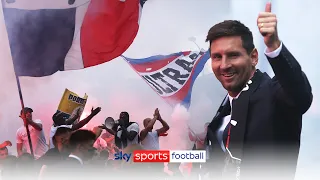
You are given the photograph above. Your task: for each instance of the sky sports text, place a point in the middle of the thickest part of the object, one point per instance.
(162, 156)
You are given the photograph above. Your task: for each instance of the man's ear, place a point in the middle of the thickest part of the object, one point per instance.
(254, 56)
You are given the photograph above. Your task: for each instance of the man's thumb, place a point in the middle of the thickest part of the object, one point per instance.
(268, 7)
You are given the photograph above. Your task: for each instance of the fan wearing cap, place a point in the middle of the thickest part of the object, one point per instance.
(37, 136)
(4, 150)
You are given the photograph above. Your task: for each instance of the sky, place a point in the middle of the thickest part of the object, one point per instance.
(165, 27)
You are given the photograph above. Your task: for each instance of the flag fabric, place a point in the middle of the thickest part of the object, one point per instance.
(171, 76)
(47, 36)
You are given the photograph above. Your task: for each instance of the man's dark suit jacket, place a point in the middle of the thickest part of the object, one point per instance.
(269, 120)
(70, 168)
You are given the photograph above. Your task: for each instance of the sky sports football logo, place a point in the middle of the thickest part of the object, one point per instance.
(145, 156)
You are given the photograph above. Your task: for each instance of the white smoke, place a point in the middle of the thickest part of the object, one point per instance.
(178, 133)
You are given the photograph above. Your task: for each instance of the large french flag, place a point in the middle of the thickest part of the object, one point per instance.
(47, 36)
(171, 76)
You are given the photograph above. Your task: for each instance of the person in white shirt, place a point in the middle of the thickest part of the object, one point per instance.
(149, 138)
(38, 139)
(60, 121)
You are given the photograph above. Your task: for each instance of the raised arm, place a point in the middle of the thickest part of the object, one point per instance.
(294, 86)
(111, 131)
(165, 127)
(36, 125)
(74, 118)
(148, 128)
(85, 121)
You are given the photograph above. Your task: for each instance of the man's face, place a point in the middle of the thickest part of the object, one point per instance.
(29, 115)
(26, 116)
(124, 118)
(231, 63)
(3, 153)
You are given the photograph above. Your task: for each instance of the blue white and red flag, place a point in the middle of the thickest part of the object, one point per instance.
(47, 36)
(171, 76)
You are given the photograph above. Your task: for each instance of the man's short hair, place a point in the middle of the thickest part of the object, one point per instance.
(230, 28)
(26, 110)
(124, 114)
(81, 136)
(62, 130)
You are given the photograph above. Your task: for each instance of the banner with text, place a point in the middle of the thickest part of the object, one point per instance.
(71, 102)
(172, 76)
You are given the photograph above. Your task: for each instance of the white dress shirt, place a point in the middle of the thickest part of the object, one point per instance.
(226, 119)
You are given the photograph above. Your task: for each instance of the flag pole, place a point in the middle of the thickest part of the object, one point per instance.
(4, 31)
(193, 39)
(24, 114)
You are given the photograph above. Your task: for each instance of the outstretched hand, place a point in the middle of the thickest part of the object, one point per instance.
(267, 24)
(103, 126)
(95, 111)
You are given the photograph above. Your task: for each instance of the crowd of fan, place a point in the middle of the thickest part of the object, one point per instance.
(77, 153)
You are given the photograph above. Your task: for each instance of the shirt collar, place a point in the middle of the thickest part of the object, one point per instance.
(232, 98)
(76, 157)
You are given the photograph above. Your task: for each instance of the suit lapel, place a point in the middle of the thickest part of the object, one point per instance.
(217, 120)
(211, 137)
(239, 115)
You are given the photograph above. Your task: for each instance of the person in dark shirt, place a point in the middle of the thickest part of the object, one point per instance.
(60, 151)
(76, 164)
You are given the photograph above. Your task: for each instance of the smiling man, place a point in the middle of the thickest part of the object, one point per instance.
(256, 131)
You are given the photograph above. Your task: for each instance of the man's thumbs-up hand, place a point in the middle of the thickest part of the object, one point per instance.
(267, 24)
